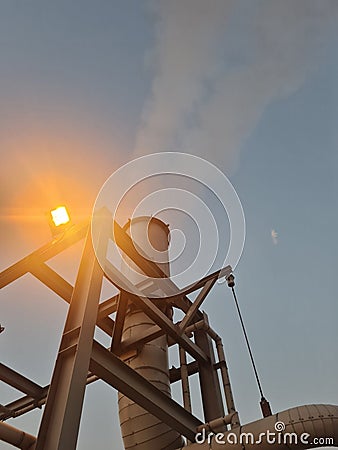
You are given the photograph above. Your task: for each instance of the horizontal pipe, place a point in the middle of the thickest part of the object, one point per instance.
(307, 423)
(16, 437)
(203, 325)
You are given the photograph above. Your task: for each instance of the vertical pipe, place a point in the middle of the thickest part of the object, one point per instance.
(185, 380)
(226, 380)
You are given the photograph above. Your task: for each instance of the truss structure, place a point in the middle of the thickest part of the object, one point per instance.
(82, 360)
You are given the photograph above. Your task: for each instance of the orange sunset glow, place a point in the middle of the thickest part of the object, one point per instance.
(41, 170)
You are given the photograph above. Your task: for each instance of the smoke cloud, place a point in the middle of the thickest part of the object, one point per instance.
(218, 65)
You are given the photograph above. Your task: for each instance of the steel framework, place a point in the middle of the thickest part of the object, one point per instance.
(82, 360)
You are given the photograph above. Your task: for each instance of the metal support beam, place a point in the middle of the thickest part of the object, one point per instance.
(4, 411)
(17, 270)
(25, 404)
(20, 382)
(197, 303)
(119, 321)
(117, 278)
(175, 372)
(61, 418)
(108, 307)
(52, 279)
(220, 273)
(115, 372)
(63, 289)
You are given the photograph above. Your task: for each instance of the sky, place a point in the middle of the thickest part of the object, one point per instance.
(251, 86)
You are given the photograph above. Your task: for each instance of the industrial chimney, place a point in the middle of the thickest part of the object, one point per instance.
(140, 429)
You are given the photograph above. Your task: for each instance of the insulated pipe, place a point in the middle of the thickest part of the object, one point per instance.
(185, 380)
(140, 429)
(300, 426)
(16, 437)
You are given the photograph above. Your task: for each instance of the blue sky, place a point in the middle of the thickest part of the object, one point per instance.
(249, 85)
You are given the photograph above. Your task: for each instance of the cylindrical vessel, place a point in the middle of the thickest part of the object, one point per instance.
(299, 428)
(140, 429)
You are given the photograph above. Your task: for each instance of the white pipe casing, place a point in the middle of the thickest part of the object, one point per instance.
(307, 422)
(140, 429)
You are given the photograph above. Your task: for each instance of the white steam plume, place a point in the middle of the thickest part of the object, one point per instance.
(218, 64)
